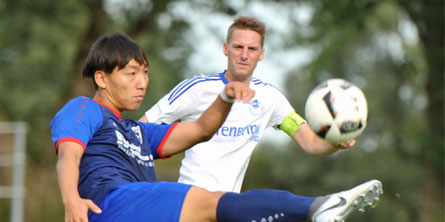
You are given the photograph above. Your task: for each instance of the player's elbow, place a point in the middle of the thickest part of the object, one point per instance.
(206, 136)
(200, 137)
(206, 132)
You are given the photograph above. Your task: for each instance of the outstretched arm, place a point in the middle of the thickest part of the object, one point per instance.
(187, 134)
(297, 128)
(314, 145)
(76, 208)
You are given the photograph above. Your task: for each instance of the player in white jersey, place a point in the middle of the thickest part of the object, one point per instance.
(220, 164)
(222, 167)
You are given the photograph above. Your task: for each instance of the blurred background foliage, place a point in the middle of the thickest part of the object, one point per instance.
(392, 49)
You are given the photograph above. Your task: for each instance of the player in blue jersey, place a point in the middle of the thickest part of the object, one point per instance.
(105, 163)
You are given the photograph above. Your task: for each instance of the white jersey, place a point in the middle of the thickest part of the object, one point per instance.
(220, 163)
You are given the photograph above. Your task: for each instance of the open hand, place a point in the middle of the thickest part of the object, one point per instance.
(76, 210)
(345, 145)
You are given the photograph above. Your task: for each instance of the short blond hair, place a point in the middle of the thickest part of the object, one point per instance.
(247, 23)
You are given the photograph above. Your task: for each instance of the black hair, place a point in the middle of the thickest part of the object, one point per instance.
(111, 51)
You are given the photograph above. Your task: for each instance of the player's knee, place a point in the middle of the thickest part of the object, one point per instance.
(200, 205)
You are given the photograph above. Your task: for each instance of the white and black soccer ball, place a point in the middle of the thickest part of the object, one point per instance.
(337, 110)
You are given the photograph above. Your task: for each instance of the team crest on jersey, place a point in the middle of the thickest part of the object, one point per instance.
(131, 149)
(137, 132)
(256, 107)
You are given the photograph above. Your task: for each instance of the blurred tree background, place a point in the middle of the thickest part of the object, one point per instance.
(392, 49)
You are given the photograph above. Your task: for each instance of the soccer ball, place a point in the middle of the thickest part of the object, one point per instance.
(337, 110)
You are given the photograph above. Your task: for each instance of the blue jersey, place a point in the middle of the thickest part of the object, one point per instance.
(117, 151)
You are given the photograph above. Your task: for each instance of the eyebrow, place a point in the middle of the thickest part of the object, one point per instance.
(133, 66)
(251, 46)
(137, 66)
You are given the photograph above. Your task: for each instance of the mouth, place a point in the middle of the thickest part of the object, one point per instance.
(243, 65)
(139, 98)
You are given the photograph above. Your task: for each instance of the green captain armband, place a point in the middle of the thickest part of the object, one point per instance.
(292, 123)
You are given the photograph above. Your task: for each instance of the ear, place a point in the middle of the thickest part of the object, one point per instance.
(225, 48)
(261, 55)
(100, 79)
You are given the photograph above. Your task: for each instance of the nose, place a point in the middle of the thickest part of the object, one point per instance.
(244, 53)
(142, 81)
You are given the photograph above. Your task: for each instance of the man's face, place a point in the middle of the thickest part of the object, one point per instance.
(124, 89)
(243, 53)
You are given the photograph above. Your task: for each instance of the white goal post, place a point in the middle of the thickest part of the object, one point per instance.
(16, 160)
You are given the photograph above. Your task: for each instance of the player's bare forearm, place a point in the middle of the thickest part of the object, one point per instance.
(76, 208)
(187, 134)
(69, 155)
(212, 119)
(315, 145)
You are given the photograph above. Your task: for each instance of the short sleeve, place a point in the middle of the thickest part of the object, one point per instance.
(77, 122)
(282, 108)
(156, 135)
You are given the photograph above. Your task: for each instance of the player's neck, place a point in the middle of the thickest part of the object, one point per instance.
(106, 101)
(230, 78)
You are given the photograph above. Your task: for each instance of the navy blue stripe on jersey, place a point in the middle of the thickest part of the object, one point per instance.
(184, 83)
(223, 78)
(180, 86)
(258, 82)
(179, 90)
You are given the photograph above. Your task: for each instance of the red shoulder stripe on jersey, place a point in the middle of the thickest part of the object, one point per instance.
(163, 141)
(117, 113)
(69, 139)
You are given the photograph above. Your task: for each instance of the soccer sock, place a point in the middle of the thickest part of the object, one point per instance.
(263, 205)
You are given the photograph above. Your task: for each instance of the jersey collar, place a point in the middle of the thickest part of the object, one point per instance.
(223, 78)
(118, 114)
(225, 81)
